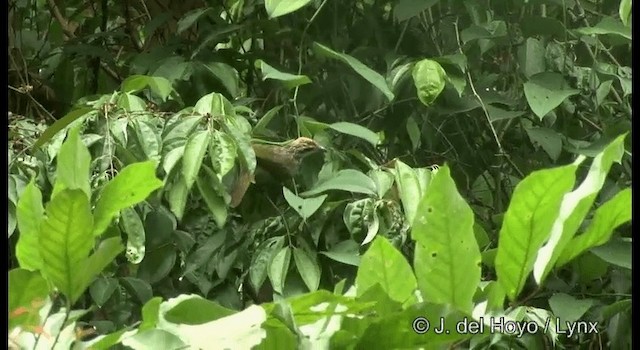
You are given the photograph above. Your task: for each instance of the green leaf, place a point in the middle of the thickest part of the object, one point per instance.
(277, 8)
(196, 310)
(574, 208)
(210, 187)
(367, 73)
(134, 228)
(409, 189)
(568, 308)
(345, 180)
(62, 123)
(616, 252)
(548, 139)
(177, 130)
(177, 196)
(447, 257)
(191, 17)
(29, 214)
(305, 207)
(102, 289)
(153, 339)
(383, 180)
(214, 104)
(278, 269)
(222, 152)
(157, 264)
(383, 264)
(308, 268)
(131, 103)
(429, 78)
(150, 313)
(27, 290)
(261, 260)
(158, 85)
(194, 152)
(396, 331)
(527, 224)
(74, 163)
(65, 242)
(226, 74)
(148, 140)
(607, 218)
(405, 9)
(357, 131)
(625, 12)
(243, 143)
(131, 186)
(546, 91)
(290, 81)
(608, 25)
(346, 252)
(138, 288)
(531, 57)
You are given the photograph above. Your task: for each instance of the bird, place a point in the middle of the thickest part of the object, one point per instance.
(281, 161)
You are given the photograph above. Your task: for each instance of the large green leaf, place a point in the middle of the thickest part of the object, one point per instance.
(625, 12)
(409, 189)
(357, 131)
(290, 81)
(210, 188)
(574, 208)
(29, 214)
(308, 268)
(131, 186)
(73, 165)
(367, 73)
(177, 196)
(345, 180)
(277, 8)
(546, 91)
(133, 227)
(261, 260)
(194, 153)
(65, 242)
(278, 269)
(222, 152)
(384, 265)
(610, 215)
(447, 257)
(527, 224)
(608, 25)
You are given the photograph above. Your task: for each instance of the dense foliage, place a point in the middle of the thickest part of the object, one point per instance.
(476, 176)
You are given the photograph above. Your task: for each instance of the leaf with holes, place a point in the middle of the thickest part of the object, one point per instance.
(546, 91)
(447, 258)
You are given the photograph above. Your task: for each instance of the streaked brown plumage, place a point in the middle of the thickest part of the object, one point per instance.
(281, 161)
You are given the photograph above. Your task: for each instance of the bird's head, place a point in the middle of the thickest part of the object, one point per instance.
(302, 147)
